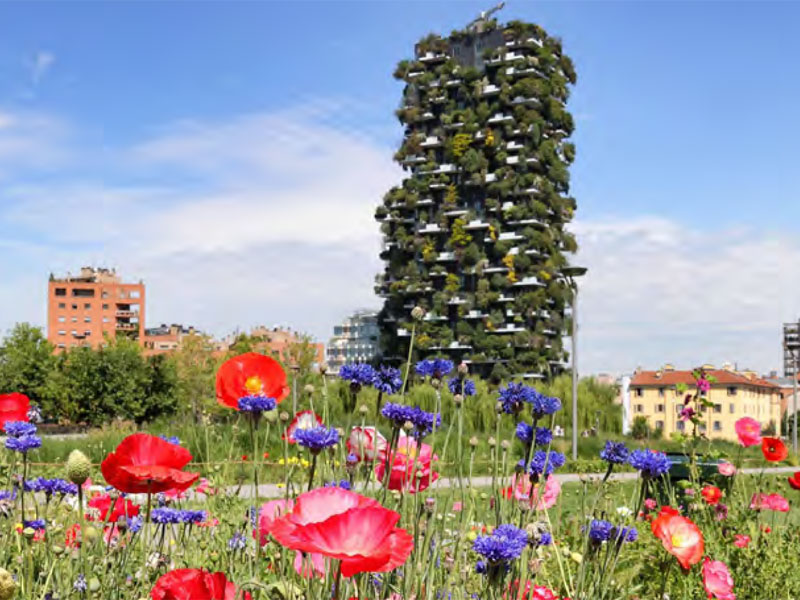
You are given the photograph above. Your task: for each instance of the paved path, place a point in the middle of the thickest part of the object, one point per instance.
(270, 490)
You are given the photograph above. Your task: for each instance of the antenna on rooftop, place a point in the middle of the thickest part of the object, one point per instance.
(478, 23)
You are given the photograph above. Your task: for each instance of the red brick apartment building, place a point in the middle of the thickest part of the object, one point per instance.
(82, 309)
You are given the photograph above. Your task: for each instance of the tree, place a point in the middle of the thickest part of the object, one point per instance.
(641, 428)
(27, 363)
(196, 368)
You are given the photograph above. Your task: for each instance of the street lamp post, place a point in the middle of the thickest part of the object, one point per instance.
(571, 273)
(794, 350)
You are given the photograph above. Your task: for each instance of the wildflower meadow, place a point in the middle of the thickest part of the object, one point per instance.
(359, 508)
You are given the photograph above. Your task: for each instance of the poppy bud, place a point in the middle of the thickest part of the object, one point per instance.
(8, 587)
(363, 409)
(505, 445)
(323, 368)
(492, 442)
(463, 369)
(78, 467)
(284, 416)
(473, 441)
(308, 389)
(458, 399)
(271, 416)
(408, 426)
(418, 313)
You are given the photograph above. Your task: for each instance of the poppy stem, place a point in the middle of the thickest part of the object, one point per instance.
(337, 582)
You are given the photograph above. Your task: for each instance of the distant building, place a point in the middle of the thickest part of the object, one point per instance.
(82, 309)
(354, 340)
(791, 348)
(735, 394)
(277, 341)
(165, 338)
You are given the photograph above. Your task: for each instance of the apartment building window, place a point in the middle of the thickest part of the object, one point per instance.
(106, 319)
(104, 294)
(681, 425)
(731, 408)
(74, 307)
(87, 306)
(74, 319)
(82, 293)
(87, 319)
(659, 424)
(678, 408)
(659, 408)
(62, 319)
(718, 408)
(717, 426)
(62, 345)
(640, 408)
(732, 390)
(134, 294)
(105, 306)
(62, 305)
(639, 392)
(62, 332)
(661, 392)
(61, 291)
(87, 333)
(74, 332)
(702, 428)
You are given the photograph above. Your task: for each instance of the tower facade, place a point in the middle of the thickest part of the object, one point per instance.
(476, 233)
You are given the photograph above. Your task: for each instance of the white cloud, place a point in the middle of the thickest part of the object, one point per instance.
(658, 291)
(30, 140)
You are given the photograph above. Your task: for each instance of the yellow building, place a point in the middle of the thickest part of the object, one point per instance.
(655, 395)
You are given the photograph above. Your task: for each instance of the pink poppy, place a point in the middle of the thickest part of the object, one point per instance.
(749, 431)
(741, 541)
(367, 443)
(774, 502)
(650, 504)
(411, 468)
(717, 580)
(310, 564)
(305, 419)
(458, 506)
(520, 489)
(204, 487)
(266, 517)
(726, 469)
(343, 525)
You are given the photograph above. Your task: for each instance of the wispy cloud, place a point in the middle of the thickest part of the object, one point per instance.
(39, 65)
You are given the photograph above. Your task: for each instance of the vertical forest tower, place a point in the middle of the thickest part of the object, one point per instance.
(476, 233)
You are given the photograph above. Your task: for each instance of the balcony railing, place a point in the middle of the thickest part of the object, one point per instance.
(127, 313)
(127, 326)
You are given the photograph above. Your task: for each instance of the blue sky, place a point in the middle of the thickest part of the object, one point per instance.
(231, 155)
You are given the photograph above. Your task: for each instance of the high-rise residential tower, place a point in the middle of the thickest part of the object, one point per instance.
(83, 309)
(476, 234)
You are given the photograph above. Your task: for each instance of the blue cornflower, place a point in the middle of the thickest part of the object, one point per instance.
(542, 405)
(51, 486)
(317, 439)
(545, 538)
(504, 544)
(163, 516)
(649, 462)
(344, 484)
(387, 380)
(615, 453)
(237, 542)
(544, 463)
(351, 459)
(171, 439)
(513, 396)
(134, 523)
(600, 531)
(80, 584)
(23, 444)
(358, 374)
(19, 428)
(542, 436)
(423, 421)
(256, 404)
(436, 368)
(6, 495)
(480, 567)
(624, 534)
(36, 524)
(456, 387)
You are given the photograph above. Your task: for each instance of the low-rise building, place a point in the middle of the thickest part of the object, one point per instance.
(165, 338)
(656, 396)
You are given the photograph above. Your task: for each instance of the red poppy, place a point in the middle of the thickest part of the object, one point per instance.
(13, 407)
(195, 584)
(72, 536)
(711, 494)
(346, 526)
(250, 374)
(680, 537)
(774, 450)
(144, 463)
(794, 480)
(102, 503)
(305, 419)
